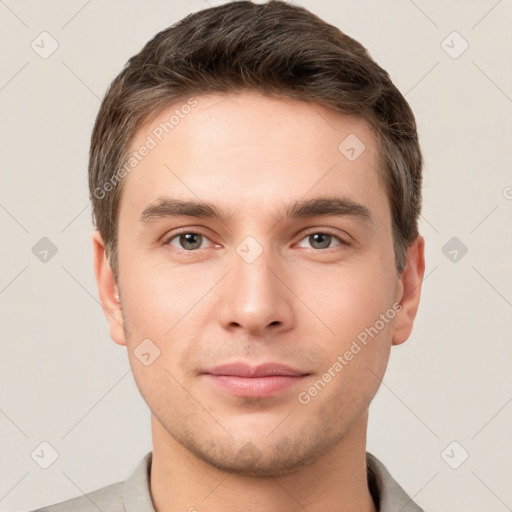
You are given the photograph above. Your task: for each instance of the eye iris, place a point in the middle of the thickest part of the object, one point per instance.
(323, 239)
(190, 240)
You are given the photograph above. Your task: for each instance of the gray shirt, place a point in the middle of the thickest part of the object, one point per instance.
(133, 494)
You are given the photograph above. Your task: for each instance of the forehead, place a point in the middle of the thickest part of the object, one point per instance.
(245, 148)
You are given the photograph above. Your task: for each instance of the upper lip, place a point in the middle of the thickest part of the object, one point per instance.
(261, 370)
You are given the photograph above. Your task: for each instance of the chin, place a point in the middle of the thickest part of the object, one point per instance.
(261, 458)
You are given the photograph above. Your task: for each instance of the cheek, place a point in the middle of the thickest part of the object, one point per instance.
(357, 306)
(347, 300)
(170, 307)
(157, 295)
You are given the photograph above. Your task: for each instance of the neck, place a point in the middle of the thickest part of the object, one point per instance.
(337, 481)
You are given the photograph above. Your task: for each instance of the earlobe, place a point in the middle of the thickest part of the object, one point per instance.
(411, 280)
(108, 290)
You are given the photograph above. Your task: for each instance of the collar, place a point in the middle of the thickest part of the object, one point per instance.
(385, 490)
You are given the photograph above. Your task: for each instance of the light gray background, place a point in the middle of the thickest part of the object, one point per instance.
(65, 382)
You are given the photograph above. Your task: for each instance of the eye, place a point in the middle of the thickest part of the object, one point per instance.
(188, 241)
(321, 240)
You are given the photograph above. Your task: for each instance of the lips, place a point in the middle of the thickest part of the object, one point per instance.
(262, 370)
(244, 380)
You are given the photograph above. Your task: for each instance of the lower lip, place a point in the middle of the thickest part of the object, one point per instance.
(255, 387)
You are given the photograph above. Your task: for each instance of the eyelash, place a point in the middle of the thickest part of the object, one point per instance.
(342, 242)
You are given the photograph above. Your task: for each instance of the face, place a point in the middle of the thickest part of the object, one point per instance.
(258, 321)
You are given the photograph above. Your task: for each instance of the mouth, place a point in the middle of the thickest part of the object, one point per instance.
(244, 380)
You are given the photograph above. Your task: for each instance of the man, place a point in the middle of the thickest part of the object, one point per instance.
(256, 185)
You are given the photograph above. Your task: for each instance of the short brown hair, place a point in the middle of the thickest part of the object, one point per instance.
(279, 50)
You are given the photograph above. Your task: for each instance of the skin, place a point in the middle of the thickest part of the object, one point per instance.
(298, 303)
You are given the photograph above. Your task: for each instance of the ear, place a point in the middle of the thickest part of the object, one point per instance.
(108, 290)
(410, 283)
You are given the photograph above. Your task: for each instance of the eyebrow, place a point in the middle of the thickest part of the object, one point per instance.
(165, 207)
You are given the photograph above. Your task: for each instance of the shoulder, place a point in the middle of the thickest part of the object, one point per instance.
(387, 492)
(132, 495)
(106, 499)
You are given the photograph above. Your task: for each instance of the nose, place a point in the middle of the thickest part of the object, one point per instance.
(255, 296)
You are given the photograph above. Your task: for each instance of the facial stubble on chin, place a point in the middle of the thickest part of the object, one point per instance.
(259, 457)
